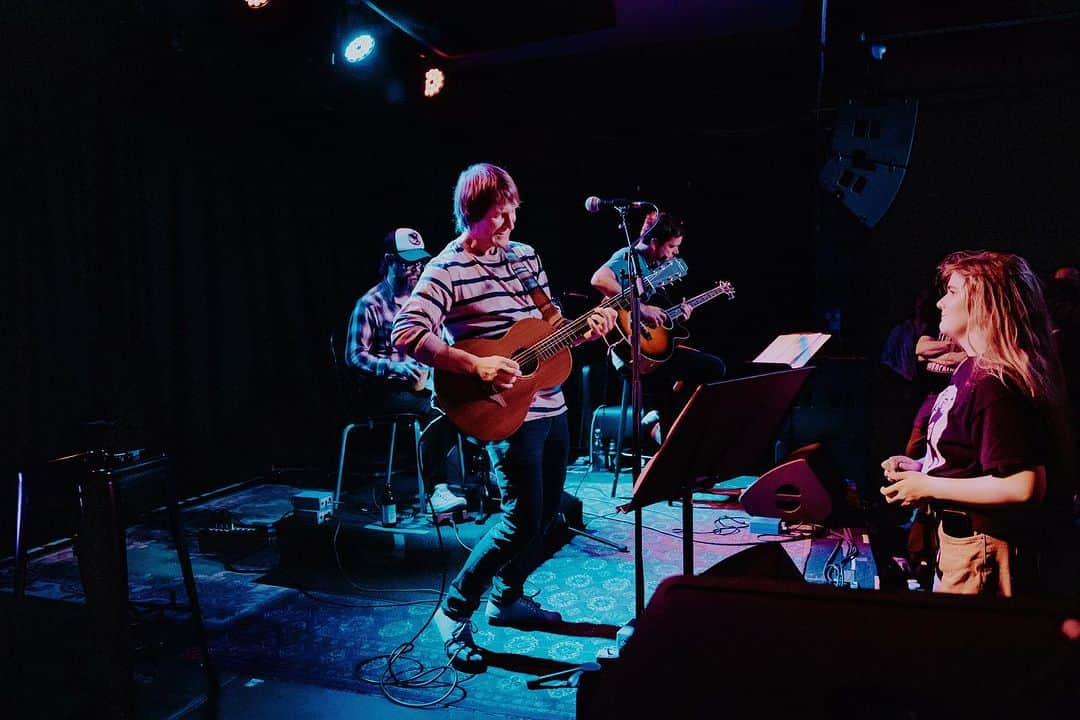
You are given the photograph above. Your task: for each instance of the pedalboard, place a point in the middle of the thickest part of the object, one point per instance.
(233, 540)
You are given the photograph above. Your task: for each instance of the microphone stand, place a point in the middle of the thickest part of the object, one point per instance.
(636, 401)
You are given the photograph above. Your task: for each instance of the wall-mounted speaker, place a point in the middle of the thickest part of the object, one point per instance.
(869, 154)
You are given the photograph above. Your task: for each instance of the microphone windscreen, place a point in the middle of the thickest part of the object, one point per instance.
(592, 203)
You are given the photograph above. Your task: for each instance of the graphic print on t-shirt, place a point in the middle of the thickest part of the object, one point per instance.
(939, 420)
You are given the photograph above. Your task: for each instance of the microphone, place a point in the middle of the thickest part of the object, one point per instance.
(593, 203)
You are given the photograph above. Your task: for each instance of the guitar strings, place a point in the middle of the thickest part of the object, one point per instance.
(722, 288)
(553, 343)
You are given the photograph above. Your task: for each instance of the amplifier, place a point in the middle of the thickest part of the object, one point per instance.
(235, 540)
(603, 434)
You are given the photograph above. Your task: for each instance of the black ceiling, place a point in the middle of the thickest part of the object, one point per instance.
(475, 26)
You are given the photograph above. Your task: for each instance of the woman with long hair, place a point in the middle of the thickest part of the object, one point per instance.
(996, 433)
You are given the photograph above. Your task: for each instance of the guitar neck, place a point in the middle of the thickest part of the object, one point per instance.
(566, 335)
(675, 312)
(569, 333)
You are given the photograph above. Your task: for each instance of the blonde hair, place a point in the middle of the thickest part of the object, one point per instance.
(479, 188)
(1008, 320)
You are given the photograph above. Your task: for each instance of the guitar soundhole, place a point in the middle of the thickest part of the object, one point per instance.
(528, 366)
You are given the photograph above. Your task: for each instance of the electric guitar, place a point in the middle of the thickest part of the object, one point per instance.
(543, 352)
(658, 343)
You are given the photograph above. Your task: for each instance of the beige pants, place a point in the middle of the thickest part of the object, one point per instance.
(976, 565)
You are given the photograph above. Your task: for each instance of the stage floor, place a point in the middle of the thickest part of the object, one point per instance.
(323, 611)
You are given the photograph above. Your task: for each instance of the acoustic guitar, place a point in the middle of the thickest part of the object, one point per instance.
(543, 352)
(658, 343)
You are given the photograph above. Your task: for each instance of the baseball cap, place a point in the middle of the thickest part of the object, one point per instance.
(407, 244)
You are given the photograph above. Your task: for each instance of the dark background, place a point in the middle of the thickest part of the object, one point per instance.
(196, 194)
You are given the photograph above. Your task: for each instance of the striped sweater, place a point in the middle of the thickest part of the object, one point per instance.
(472, 297)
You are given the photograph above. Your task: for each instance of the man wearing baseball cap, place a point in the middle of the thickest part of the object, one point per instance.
(391, 381)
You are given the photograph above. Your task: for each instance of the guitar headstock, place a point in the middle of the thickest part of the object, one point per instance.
(725, 288)
(669, 273)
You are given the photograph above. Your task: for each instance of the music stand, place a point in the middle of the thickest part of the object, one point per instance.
(723, 431)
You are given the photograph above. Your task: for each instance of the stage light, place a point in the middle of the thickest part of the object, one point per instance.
(434, 79)
(257, 4)
(360, 47)
(877, 51)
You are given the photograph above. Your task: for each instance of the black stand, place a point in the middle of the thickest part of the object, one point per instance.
(635, 343)
(110, 495)
(635, 278)
(724, 430)
(582, 533)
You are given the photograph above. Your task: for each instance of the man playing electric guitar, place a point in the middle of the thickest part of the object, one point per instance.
(660, 240)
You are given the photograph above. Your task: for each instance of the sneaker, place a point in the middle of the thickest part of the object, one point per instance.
(522, 613)
(650, 425)
(461, 649)
(442, 500)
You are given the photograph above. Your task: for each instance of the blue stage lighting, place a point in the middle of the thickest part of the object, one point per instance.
(360, 47)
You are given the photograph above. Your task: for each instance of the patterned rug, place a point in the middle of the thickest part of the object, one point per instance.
(337, 622)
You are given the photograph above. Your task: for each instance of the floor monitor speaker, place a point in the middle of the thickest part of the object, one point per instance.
(800, 650)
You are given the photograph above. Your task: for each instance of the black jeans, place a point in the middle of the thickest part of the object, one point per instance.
(693, 367)
(530, 467)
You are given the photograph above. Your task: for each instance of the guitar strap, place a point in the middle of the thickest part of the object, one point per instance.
(539, 297)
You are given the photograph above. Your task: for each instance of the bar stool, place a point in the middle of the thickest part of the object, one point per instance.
(647, 423)
(347, 401)
(371, 423)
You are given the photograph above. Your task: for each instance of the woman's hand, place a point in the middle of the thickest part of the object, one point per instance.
(907, 487)
(900, 462)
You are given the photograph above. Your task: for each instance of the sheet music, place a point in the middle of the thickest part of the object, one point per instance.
(793, 349)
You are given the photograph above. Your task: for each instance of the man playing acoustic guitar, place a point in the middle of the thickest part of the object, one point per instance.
(483, 288)
(393, 382)
(676, 367)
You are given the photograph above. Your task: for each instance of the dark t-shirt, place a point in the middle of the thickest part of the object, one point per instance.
(983, 426)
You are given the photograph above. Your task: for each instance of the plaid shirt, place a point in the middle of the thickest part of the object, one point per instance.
(369, 349)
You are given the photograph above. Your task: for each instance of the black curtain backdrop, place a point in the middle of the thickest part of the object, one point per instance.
(190, 225)
(188, 236)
